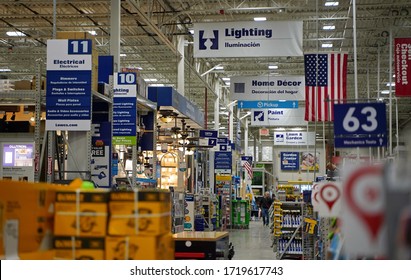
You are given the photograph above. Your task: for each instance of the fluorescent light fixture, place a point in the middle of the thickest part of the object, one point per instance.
(246, 115)
(386, 91)
(92, 32)
(272, 66)
(260, 19)
(15, 34)
(327, 45)
(225, 79)
(123, 55)
(328, 27)
(282, 100)
(228, 83)
(139, 68)
(392, 84)
(223, 108)
(297, 129)
(191, 31)
(150, 80)
(231, 103)
(331, 4)
(279, 129)
(380, 99)
(157, 85)
(5, 70)
(221, 127)
(220, 67)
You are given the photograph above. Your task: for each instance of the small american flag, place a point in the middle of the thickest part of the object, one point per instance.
(331, 84)
(248, 166)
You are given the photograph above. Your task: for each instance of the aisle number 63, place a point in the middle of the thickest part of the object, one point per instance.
(351, 123)
(360, 118)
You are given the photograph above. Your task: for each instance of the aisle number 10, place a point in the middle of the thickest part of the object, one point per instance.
(126, 78)
(360, 118)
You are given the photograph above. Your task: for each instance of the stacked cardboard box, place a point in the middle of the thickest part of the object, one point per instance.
(139, 226)
(80, 224)
(26, 217)
(45, 221)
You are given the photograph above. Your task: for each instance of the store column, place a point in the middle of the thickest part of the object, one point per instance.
(115, 21)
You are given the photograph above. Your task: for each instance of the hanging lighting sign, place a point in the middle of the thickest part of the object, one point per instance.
(124, 109)
(402, 49)
(68, 93)
(267, 91)
(248, 39)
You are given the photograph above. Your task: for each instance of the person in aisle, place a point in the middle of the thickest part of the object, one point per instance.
(265, 204)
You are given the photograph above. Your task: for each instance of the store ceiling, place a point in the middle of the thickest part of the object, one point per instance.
(150, 30)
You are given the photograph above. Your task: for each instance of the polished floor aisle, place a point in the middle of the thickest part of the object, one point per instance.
(253, 243)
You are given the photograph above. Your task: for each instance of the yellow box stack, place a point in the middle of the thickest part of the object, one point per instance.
(80, 224)
(139, 226)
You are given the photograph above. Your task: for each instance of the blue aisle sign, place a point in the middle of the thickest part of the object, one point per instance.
(222, 162)
(101, 154)
(261, 104)
(208, 133)
(290, 161)
(360, 125)
(68, 90)
(125, 109)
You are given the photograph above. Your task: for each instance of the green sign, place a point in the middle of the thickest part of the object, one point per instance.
(125, 140)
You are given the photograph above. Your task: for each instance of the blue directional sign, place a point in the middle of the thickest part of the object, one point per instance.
(222, 162)
(222, 141)
(360, 118)
(360, 125)
(350, 142)
(261, 104)
(209, 133)
(212, 142)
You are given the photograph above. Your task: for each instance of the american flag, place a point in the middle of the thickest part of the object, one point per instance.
(248, 166)
(331, 85)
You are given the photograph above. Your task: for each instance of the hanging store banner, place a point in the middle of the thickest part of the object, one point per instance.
(278, 117)
(294, 138)
(402, 66)
(68, 91)
(124, 109)
(223, 162)
(248, 39)
(268, 88)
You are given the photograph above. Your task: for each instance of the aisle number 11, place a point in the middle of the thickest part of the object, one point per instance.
(360, 118)
(79, 47)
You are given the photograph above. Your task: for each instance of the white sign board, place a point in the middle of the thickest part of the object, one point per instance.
(248, 39)
(364, 224)
(278, 117)
(267, 88)
(328, 197)
(294, 138)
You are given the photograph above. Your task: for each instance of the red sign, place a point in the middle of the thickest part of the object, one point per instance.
(402, 49)
(264, 132)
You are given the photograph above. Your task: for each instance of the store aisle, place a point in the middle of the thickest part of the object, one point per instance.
(253, 243)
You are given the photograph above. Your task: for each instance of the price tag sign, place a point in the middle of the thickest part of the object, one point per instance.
(360, 125)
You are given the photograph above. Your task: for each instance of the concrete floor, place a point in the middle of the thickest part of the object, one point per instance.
(253, 243)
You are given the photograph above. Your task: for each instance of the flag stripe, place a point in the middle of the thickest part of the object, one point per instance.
(328, 74)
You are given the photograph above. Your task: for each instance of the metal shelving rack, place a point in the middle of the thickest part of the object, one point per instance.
(307, 238)
(25, 97)
(292, 233)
